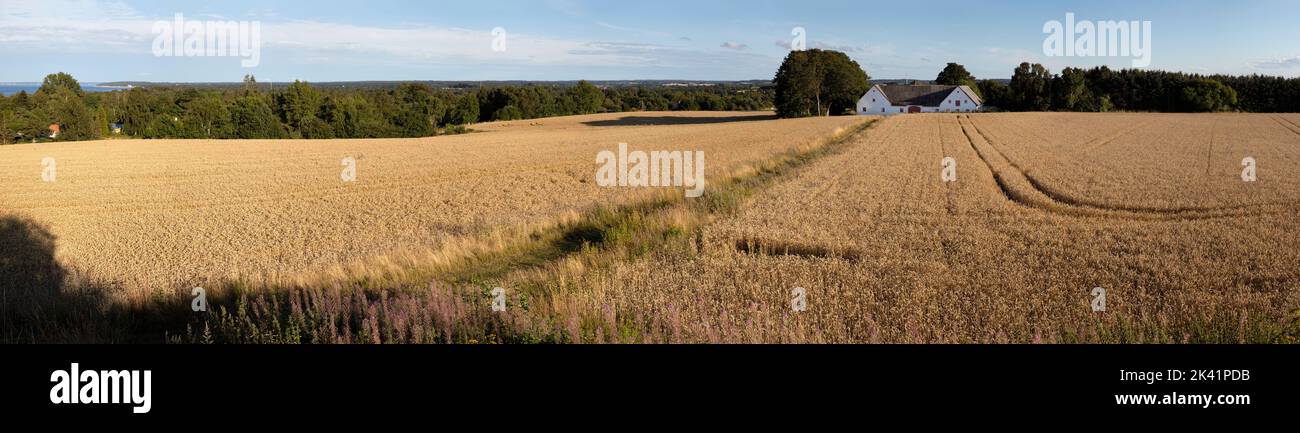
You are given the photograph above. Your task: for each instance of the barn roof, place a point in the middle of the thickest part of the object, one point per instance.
(973, 95)
(924, 95)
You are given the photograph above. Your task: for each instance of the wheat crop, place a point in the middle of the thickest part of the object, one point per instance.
(151, 215)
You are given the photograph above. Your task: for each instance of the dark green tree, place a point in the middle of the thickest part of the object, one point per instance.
(60, 80)
(65, 108)
(817, 82)
(589, 98)
(1206, 95)
(1030, 88)
(465, 111)
(508, 112)
(956, 75)
(251, 117)
(419, 110)
(207, 116)
(1070, 91)
(297, 106)
(995, 94)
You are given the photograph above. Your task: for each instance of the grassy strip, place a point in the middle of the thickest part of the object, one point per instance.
(624, 232)
(409, 310)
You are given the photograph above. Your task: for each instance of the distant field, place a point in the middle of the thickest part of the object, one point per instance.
(149, 215)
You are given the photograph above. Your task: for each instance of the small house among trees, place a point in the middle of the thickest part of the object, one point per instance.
(886, 99)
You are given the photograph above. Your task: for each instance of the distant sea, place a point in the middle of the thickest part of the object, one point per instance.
(9, 89)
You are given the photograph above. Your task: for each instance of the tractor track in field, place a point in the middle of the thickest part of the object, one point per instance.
(1286, 123)
(1035, 194)
(947, 237)
(839, 174)
(1097, 144)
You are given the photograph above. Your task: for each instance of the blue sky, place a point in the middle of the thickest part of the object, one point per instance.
(575, 39)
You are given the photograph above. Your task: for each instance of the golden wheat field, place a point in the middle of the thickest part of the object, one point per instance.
(150, 215)
(1046, 207)
(837, 229)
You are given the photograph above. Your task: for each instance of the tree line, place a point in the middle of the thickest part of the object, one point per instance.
(300, 110)
(1034, 88)
(816, 82)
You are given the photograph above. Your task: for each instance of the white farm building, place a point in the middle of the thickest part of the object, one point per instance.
(889, 99)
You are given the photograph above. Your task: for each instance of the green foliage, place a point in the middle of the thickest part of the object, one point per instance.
(1034, 88)
(1207, 95)
(1070, 91)
(65, 107)
(207, 117)
(420, 110)
(956, 75)
(20, 120)
(508, 112)
(60, 81)
(464, 112)
(1030, 88)
(297, 104)
(818, 82)
(589, 98)
(993, 92)
(301, 110)
(351, 116)
(252, 117)
(165, 126)
(314, 128)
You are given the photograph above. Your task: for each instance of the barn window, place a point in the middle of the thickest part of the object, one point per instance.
(958, 103)
(882, 109)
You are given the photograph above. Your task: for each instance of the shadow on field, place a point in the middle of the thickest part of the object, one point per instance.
(29, 276)
(674, 120)
(35, 304)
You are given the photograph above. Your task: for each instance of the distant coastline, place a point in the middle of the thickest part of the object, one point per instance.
(10, 89)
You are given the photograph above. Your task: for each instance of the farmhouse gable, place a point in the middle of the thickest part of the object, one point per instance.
(885, 99)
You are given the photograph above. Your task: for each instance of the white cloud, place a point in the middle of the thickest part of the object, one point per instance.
(735, 46)
(111, 27)
(72, 26)
(870, 50)
(77, 27)
(1278, 63)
